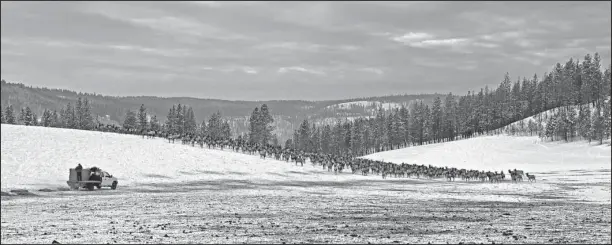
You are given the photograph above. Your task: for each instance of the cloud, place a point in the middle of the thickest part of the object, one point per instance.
(352, 48)
(412, 37)
(440, 42)
(160, 52)
(300, 69)
(377, 71)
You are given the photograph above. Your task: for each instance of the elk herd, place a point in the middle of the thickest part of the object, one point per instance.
(338, 163)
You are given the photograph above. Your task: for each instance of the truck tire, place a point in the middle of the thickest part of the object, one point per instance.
(90, 186)
(114, 186)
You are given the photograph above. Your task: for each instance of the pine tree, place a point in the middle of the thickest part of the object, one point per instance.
(154, 124)
(142, 119)
(9, 115)
(449, 117)
(78, 110)
(203, 128)
(22, 116)
(131, 122)
(179, 119)
(226, 132)
(326, 139)
(265, 119)
(254, 124)
(87, 121)
(436, 124)
(607, 120)
(304, 135)
(70, 117)
(584, 122)
(171, 120)
(191, 123)
(46, 118)
(598, 126)
(55, 119)
(33, 119)
(2, 120)
(597, 84)
(215, 126)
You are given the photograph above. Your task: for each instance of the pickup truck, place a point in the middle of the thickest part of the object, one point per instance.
(91, 179)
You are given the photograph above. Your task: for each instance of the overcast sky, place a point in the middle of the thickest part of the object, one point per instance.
(293, 50)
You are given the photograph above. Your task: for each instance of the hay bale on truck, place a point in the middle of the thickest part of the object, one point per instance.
(90, 178)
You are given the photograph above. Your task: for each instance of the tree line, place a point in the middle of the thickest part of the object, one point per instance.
(77, 116)
(575, 83)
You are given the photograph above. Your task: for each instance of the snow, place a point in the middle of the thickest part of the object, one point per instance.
(502, 152)
(36, 157)
(366, 104)
(543, 116)
(581, 166)
(39, 157)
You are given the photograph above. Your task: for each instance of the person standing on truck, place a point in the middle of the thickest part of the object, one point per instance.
(79, 169)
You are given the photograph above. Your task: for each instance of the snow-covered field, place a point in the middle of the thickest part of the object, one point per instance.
(172, 193)
(556, 165)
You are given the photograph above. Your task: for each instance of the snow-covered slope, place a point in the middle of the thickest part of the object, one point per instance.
(502, 152)
(368, 105)
(521, 127)
(38, 157)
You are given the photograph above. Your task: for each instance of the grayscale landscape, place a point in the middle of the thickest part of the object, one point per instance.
(306, 122)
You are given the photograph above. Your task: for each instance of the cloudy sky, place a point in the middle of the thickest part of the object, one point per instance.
(293, 50)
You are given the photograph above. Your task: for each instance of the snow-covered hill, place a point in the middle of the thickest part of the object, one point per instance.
(38, 157)
(368, 105)
(502, 152)
(521, 127)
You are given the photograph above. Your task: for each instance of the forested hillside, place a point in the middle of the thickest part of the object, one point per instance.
(575, 83)
(113, 110)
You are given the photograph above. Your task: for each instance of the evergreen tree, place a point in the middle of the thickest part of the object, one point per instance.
(226, 132)
(584, 122)
(304, 136)
(436, 124)
(265, 119)
(46, 118)
(78, 113)
(9, 115)
(55, 119)
(22, 116)
(34, 119)
(179, 120)
(598, 126)
(607, 120)
(70, 117)
(130, 122)
(87, 121)
(154, 124)
(449, 117)
(203, 128)
(190, 122)
(254, 126)
(215, 126)
(171, 120)
(326, 139)
(142, 119)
